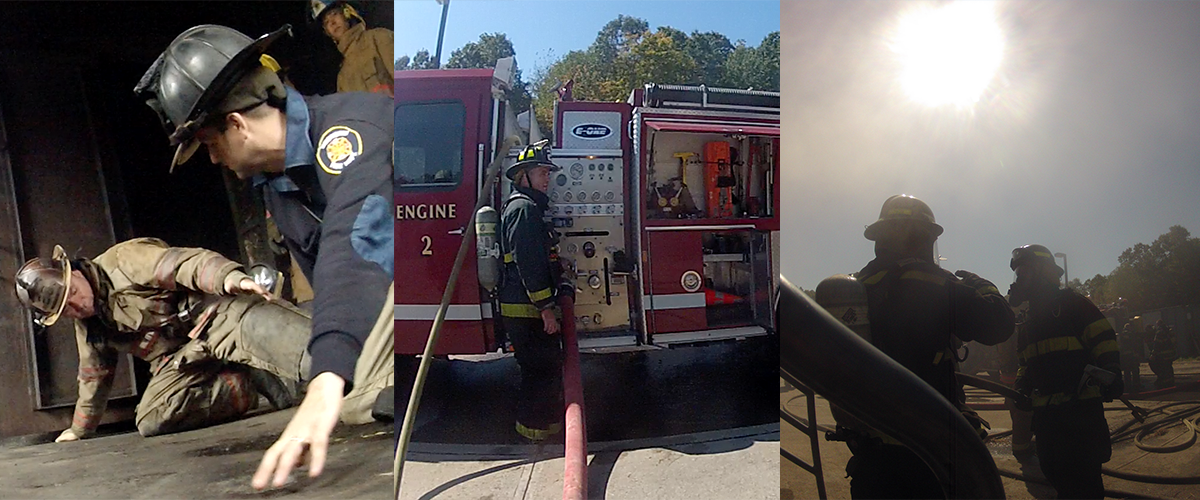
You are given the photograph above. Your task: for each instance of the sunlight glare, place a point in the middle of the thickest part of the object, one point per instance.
(949, 54)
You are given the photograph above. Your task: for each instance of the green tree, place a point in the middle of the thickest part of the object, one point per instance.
(754, 67)
(710, 51)
(1160, 274)
(484, 53)
(618, 36)
(420, 60)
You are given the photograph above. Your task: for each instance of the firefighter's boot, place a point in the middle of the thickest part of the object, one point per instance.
(279, 393)
(385, 405)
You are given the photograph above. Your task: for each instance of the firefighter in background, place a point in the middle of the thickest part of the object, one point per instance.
(213, 337)
(917, 311)
(367, 62)
(1130, 342)
(527, 294)
(1162, 355)
(1065, 332)
(324, 167)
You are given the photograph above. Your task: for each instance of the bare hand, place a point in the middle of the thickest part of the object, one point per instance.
(306, 437)
(67, 435)
(247, 285)
(549, 322)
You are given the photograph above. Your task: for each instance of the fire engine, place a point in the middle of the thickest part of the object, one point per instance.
(667, 207)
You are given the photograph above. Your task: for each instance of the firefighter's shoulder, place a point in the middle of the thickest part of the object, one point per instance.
(348, 127)
(518, 201)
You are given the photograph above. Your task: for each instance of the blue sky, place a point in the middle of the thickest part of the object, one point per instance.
(542, 31)
(1087, 144)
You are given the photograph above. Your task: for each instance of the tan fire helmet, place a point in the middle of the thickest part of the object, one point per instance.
(43, 286)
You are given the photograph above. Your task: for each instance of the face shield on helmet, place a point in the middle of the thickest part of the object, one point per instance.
(1035, 268)
(43, 286)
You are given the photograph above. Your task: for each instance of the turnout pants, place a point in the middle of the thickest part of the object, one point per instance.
(540, 397)
(1164, 373)
(376, 367)
(213, 384)
(1072, 443)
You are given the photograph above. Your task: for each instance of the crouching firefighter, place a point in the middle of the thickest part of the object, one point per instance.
(529, 287)
(918, 313)
(214, 338)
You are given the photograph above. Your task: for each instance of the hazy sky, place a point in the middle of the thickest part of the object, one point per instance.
(1087, 139)
(543, 31)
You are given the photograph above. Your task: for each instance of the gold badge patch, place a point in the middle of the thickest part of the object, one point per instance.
(339, 147)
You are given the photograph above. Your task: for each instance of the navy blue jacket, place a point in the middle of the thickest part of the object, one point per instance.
(332, 205)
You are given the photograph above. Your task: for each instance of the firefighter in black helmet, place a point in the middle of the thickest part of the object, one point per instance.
(528, 292)
(917, 312)
(1063, 333)
(323, 166)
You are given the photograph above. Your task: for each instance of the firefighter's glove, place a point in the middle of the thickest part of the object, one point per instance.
(977, 282)
(194, 355)
(1113, 391)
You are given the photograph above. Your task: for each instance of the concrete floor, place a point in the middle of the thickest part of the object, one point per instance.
(796, 483)
(214, 462)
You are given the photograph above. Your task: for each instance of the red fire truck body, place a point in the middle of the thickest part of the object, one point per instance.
(667, 207)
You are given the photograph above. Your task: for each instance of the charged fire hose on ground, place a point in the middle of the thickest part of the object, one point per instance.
(419, 383)
(575, 454)
(1189, 418)
(814, 347)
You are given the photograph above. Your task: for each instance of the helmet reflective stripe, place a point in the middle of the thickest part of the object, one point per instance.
(1030, 253)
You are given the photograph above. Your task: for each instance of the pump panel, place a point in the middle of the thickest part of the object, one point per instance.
(587, 205)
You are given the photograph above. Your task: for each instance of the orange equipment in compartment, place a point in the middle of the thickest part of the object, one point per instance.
(718, 179)
(715, 298)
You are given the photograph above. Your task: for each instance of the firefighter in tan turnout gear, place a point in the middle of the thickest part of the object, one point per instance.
(367, 62)
(213, 337)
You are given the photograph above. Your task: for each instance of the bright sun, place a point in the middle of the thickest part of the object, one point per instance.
(949, 54)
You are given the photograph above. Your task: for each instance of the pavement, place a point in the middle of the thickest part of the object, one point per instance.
(796, 483)
(688, 422)
(736, 463)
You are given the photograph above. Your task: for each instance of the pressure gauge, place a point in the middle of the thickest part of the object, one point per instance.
(567, 196)
(595, 197)
(561, 180)
(609, 196)
(577, 171)
(554, 196)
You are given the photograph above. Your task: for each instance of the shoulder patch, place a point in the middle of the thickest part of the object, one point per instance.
(339, 147)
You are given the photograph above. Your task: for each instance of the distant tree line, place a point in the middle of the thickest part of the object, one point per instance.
(624, 56)
(1151, 276)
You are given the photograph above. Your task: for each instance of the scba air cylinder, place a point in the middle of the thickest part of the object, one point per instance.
(487, 247)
